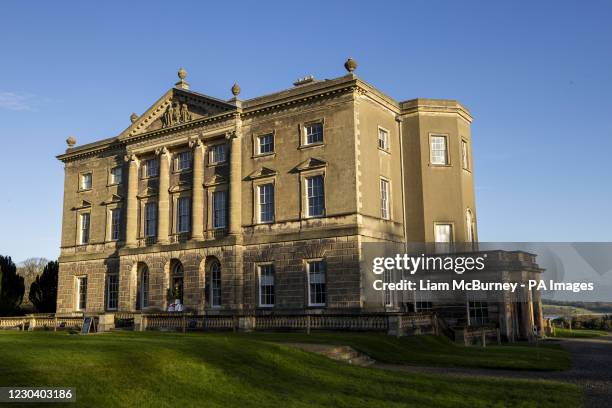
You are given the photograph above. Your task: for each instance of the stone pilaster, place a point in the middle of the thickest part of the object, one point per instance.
(131, 228)
(235, 194)
(163, 210)
(197, 207)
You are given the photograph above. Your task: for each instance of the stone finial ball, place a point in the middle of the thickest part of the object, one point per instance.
(71, 141)
(236, 89)
(133, 117)
(182, 74)
(350, 65)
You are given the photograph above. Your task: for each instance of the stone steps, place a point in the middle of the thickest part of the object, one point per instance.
(343, 354)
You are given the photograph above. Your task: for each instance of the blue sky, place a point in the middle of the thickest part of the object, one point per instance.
(535, 75)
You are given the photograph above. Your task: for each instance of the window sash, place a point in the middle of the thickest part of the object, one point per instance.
(316, 196)
(387, 277)
(182, 215)
(384, 199)
(82, 293)
(115, 224)
(439, 152)
(150, 219)
(479, 312)
(112, 296)
(217, 154)
(266, 143)
(464, 155)
(151, 168)
(314, 133)
(183, 161)
(266, 285)
(116, 175)
(86, 181)
(383, 139)
(266, 203)
(215, 284)
(317, 290)
(85, 228)
(144, 288)
(219, 209)
(444, 233)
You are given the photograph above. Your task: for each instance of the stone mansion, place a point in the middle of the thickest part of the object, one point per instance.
(261, 205)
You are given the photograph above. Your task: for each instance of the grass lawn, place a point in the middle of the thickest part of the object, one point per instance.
(228, 370)
(579, 333)
(436, 351)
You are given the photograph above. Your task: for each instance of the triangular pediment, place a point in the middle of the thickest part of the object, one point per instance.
(215, 180)
(114, 198)
(181, 186)
(309, 164)
(176, 107)
(148, 192)
(84, 204)
(261, 173)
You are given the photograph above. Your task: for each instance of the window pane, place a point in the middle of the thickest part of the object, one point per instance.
(82, 293)
(151, 168)
(316, 196)
(314, 133)
(383, 139)
(266, 285)
(86, 181)
(438, 150)
(266, 144)
(217, 154)
(115, 224)
(384, 199)
(183, 161)
(85, 227)
(151, 219)
(464, 154)
(443, 233)
(266, 203)
(316, 283)
(112, 295)
(215, 284)
(144, 287)
(116, 175)
(219, 209)
(182, 215)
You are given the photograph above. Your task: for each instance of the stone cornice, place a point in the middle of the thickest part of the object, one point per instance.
(435, 106)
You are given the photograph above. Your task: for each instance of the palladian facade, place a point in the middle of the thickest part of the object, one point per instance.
(261, 205)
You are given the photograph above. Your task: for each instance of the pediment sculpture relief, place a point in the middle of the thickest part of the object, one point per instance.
(176, 114)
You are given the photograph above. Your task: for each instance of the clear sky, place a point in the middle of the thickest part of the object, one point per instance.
(537, 77)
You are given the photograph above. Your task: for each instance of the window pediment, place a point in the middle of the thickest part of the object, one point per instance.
(181, 186)
(309, 164)
(84, 204)
(113, 199)
(215, 180)
(148, 192)
(261, 173)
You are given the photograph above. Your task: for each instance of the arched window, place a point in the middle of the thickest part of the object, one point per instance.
(215, 284)
(144, 287)
(469, 224)
(177, 281)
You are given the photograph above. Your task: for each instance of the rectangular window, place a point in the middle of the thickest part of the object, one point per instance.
(266, 143)
(313, 133)
(444, 233)
(182, 161)
(182, 214)
(479, 313)
(266, 203)
(116, 175)
(85, 228)
(464, 155)
(383, 139)
(266, 285)
(144, 288)
(151, 168)
(115, 227)
(81, 297)
(423, 306)
(215, 284)
(86, 181)
(439, 152)
(219, 209)
(317, 292)
(112, 292)
(384, 199)
(217, 154)
(387, 278)
(150, 220)
(316, 196)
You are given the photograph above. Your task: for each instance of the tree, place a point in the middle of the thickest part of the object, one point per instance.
(43, 291)
(32, 267)
(11, 287)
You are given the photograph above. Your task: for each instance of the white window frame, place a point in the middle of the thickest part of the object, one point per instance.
(79, 293)
(387, 295)
(385, 194)
(148, 224)
(144, 287)
(108, 291)
(217, 154)
(451, 232)
(465, 155)
(480, 311)
(116, 175)
(434, 159)
(84, 176)
(213, 279)
(309, 263)
(261, 203)
(115, 225)
(260, 285)
(260, 145)
(308, 196)
(82, 229)
(383, 143)
(308, 133)
(150, 168)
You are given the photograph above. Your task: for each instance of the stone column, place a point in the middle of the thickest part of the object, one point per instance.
(131, 229)
(197, 196)
(235, 187)
(163, 209)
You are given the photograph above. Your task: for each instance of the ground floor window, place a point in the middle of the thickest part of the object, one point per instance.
(143, 300)
(479, 313)
(112, 292)
(177, 282)
(215, 284)
(81, 297)
(422, 306)
(317, 290)
(266, 285)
